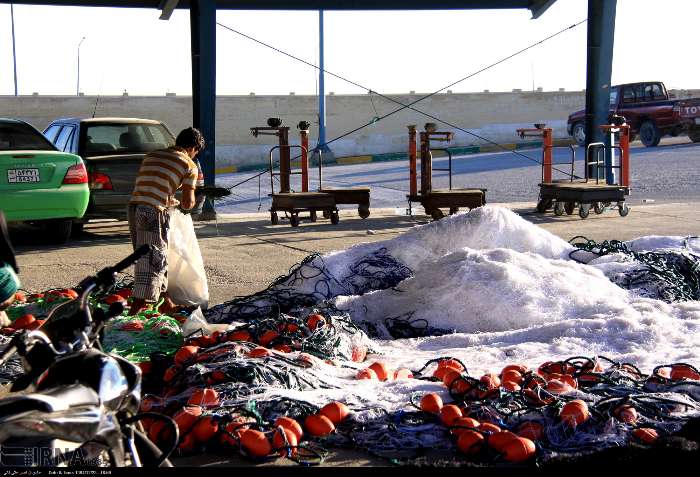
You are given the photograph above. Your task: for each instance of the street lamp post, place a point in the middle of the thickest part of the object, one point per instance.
(77, 86)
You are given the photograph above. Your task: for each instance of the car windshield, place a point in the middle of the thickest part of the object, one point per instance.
(22, 137)
(126, 138)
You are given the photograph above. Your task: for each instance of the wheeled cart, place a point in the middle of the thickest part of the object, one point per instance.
(433, 200)
(286, 200)
(593, 191)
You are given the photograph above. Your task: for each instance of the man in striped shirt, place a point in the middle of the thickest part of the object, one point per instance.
(162, 173)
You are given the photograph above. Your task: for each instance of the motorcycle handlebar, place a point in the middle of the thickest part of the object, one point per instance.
(131, 259)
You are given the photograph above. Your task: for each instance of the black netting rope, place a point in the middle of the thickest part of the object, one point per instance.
(669, 276)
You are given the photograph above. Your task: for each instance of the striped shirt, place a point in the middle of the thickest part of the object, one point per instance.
(163, 172)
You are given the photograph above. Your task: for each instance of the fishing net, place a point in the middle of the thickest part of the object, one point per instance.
(310, 283)
(136, 339)
(672, 275)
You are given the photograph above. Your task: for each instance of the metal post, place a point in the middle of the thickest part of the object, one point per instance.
(321, 89)
(426, 164)
(203, 44)
(304, 160)
(285, 161)
(14, 55)
(77, 84)
(413, 180)
(625, 159)
(547, 155)
(601, 37)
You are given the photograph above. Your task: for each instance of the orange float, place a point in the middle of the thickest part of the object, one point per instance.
(267, 337)
(382, 371)
(459, 425)
(499, 440)
(683, 371)
(489, 427)
(291, 424)
(255, 443)
(450, 363)
(470, 442)
(519, 449)
(259, 352)
(450, 413)
(186, 418)
(403, 373)
(205, 429)
(186, 354)
(23, 321)
(285, 440)
(574, 412)
(431, 402)
(318, 425)
(646, 435)
(531, 430)
(206, 397)
(336, 411)
(315, 321)
(366, 373)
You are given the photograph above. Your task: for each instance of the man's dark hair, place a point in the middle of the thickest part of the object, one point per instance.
(190, 137)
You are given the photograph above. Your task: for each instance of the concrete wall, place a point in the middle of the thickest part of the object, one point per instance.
(494, 116)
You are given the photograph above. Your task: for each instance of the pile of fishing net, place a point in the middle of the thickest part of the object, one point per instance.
(236, 397)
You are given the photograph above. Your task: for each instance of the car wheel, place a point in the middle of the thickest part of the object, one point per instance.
(58, 231)
(579, 133)
(649, 134)
(694, 134)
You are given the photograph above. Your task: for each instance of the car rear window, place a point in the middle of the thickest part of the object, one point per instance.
(22, 137)
(127, 138)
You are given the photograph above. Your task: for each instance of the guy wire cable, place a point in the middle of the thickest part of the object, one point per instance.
(409, 105)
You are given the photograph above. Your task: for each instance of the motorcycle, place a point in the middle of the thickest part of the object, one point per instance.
(75, 405)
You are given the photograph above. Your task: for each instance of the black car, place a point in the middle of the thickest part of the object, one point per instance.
(112, 149)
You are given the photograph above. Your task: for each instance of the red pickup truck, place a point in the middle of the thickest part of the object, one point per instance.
(649, 111)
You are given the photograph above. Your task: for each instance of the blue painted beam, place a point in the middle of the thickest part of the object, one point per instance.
(203, 43)
(601, 38)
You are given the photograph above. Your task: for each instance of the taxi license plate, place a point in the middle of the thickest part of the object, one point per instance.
(15, 176)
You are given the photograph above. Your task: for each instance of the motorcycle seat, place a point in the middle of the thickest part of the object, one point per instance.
(50, 400)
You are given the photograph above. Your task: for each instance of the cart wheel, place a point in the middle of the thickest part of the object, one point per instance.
(294, 220)
(559, 209)
(569, 207)
(274, 219)
(454, 210)
(335, 217)
(543, 205)
(363, 211)
(584, 210)
(598, 208)
(436, 214)
(312, 216)
(326, 214)
(623, 209)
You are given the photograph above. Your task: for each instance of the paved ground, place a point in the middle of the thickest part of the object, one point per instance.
(243, 253)
(669, 172)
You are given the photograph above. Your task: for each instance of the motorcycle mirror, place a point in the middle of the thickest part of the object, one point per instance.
(115, 309)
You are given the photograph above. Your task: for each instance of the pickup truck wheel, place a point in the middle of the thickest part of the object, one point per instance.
(578, 131)
(58, 231)
(694, 134)
(649, 134)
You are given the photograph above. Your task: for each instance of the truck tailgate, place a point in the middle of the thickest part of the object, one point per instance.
(690, 110)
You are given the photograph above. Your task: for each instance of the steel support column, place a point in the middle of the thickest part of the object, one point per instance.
(203, 41)
(601, 38)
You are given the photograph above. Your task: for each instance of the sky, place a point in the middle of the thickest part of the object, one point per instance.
(389, 52)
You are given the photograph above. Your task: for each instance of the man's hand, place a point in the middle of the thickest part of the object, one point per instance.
(188, 200)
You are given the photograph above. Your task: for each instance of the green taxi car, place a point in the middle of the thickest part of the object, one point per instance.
(38, 183)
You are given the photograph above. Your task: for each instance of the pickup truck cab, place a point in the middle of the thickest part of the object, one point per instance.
(112, 149)
(649, 111)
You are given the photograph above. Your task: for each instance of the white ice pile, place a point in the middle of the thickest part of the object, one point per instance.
(510, 292)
